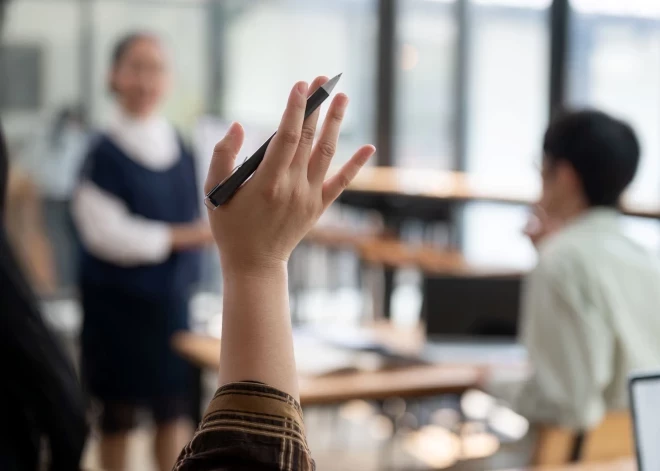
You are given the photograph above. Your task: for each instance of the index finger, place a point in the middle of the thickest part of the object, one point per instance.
(283, 147)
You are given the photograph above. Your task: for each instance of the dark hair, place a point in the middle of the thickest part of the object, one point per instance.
(604, 152)
(123, 46)
(41, 398)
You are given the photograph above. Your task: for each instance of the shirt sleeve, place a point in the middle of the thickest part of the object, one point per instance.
(110, 232)
(570, 348)
(249, 426)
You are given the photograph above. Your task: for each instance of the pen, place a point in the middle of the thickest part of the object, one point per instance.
(223, 191)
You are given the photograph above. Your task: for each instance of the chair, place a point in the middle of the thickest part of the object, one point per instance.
(611, 440)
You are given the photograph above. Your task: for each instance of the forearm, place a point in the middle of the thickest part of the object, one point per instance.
(257, 343)
(189, 236)
(110, 232)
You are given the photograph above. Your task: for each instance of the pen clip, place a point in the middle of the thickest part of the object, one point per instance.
(234, 171)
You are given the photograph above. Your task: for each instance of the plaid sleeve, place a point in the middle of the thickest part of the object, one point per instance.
(249, 426)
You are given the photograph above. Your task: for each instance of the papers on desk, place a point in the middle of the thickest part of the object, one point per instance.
(473, 352)
(316, 358)
(323, 350)
(351, 338)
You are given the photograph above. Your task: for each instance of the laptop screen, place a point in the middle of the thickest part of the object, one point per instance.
(481, 307)
(645, 400)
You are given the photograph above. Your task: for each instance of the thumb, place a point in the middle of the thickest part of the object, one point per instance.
(224, 156)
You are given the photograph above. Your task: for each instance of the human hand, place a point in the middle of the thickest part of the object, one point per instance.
(262, 224)
(540, 225)
(190, 236)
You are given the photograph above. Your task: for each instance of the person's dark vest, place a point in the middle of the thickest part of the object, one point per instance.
(168, 196)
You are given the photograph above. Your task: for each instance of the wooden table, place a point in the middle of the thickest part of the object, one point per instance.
(407, 382)
(437, 196)
(448, 186)
(623, 465)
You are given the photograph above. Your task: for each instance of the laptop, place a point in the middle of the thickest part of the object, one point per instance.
(472, 307)
(644, 391)
(473, 320)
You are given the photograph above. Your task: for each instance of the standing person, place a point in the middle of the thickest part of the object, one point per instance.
(138, 214)
(249, 425)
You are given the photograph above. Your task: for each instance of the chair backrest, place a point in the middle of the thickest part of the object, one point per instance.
(612, 439)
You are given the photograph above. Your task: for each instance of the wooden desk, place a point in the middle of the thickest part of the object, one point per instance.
(436, 196)
(447, 186)
(407, 382)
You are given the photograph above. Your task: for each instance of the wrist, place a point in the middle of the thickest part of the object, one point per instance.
(266, 268)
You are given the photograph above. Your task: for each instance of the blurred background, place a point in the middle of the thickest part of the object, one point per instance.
(455, 94)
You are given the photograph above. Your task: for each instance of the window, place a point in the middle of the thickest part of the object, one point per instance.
(507, 114)
(615, 66)
(48, 53)
(271, 44)
(507, 86)
(425, 72)
(20, 75)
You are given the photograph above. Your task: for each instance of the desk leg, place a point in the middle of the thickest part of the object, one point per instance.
(197, 393)
(388, 290)
(455, 227)
(393, 229)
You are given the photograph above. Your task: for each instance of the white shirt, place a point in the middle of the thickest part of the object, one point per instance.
(107, 228)
(591, 315)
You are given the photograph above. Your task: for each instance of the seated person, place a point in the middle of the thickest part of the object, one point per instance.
(254, 421)
(590, 308)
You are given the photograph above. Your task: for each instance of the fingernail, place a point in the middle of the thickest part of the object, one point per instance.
(302, 88)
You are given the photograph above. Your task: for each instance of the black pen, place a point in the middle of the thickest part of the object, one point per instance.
(223, 191)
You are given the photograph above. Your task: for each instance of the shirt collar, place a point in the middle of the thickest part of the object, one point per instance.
(601, 216)
(151, 142)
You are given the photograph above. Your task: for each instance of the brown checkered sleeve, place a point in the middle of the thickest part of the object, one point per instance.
(249, 426)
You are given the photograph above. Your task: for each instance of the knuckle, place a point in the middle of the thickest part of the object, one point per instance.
(290, 137)
(307, 133)
(270, 193)
(297, 194)
(343, 181)
(337, 116)
(327, 148)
